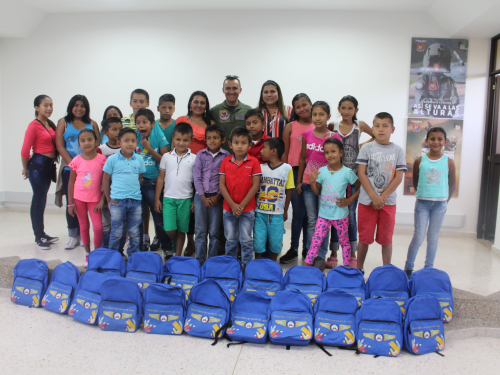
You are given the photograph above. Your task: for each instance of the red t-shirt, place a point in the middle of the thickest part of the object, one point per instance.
(257, 148)
(239, 179)
(38, 138)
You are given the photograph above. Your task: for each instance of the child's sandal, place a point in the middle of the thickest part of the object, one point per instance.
(331, 262)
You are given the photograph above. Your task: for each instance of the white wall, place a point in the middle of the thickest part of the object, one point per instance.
(325, 54)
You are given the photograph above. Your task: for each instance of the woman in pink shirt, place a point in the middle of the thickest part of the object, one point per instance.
(40, 167)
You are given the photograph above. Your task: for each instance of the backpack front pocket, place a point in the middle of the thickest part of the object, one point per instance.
(397, 296)
(268, 287)
(26, 292)
(186, 281)
(118, 316)
(205, 320)
(143, 279)
(57, 297)
(379, 338)
(163, 319)
(85, 306)
(426, 336)
(232, 285)
(312, 291)
(446, 303)
(249, 327)
(290, 327)
(335, 329)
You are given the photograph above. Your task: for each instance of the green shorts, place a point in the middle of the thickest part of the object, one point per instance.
(176, 214)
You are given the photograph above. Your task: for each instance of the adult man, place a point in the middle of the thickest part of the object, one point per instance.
(231, 112)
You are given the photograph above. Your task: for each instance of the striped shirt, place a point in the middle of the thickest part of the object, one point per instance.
(276, 123)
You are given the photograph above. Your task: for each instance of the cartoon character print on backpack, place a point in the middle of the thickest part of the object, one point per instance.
(130, 323)
(349, 335)
(56, 295)
(203, 319)
(75, 308)
(259, 328)
(156, 318)
(26, 291)
(292, 325)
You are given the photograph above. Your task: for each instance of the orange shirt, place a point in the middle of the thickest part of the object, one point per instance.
(198, 142)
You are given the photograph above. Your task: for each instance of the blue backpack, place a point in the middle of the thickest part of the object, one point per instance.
(335, 318)
(87, 299)
(379, 327)
(164, 309)
(435, 283)
(309, 280)
(349, 280)
(291, 318)
(63, 284)
(145, 268)
(389, 282)
(424, 328)
(107, 261)
(121, 305)
(224, 269)
(209, 310)
(263, 275)
(183, 271)
(31, 277)
(250, 317)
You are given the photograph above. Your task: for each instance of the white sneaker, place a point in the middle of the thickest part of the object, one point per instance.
(72, 243)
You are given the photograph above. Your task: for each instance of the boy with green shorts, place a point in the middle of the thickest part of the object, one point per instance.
(176, 173)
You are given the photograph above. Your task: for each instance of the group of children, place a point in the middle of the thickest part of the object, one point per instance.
(146, 166)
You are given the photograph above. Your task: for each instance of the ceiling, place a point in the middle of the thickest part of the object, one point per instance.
(465, 18)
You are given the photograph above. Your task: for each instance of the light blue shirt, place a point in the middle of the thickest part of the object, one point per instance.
(433, 179)
(157, 140)
(125, 176)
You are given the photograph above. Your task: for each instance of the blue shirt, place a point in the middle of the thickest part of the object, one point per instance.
(125, 176)
(333, 187)
(433, 179)
(157, 140)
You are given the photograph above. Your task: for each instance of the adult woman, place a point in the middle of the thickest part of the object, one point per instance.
(77, 118)
(40, 168)
(199, 118)
(276, 114)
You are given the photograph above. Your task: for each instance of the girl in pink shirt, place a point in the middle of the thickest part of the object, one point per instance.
(85, 189)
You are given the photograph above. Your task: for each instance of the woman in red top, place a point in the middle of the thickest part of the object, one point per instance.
(40, 168)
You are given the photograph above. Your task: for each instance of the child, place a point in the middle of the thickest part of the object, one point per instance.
(176, 173)
(151, 146)
(207, 201)
(434, 179)
(166, 107)
(381, 165)
(111, 126)
(349, 129)
(139, 98)
(111, 111)
(331, 183)
(292, 136)
(312, 158)
(85, 189)
(276, 185)
(239, 182)
(124, 194)
(254, 122)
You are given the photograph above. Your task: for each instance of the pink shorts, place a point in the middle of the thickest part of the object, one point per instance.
(384, 220)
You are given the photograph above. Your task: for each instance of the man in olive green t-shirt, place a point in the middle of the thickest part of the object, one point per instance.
(231, 112)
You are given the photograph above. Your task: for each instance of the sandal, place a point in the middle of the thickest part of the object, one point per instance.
(331, 262)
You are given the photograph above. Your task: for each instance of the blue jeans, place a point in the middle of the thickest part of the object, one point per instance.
(353, 227)
(148, 190)
(208, 222)
(426, 212)
(311, 201)
(239, 229)
(299, 219)
(73, 224)
(125, 212)
(40, 169)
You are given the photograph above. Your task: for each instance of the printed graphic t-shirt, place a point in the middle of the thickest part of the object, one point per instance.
(382, 162)
(273, 183)
(315, 155)
(88, 177)
(157, 140)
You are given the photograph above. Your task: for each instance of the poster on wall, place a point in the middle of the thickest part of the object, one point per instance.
(437, 78)
(416, 146)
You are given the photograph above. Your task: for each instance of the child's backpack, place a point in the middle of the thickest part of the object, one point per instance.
(263, 275)
(31, 277)
(145, 268)
(291, 318)
(107, 261)
(224, 269)
(164, 309)
(379, 327)
(63, 284)
(435, 283)
(349, 280)
(209, 310)
(389, 282)
(335, 318)
(87, 299)
(309, 280)
(250, 317)
(121, 305)
(183, 271)
(424, 329)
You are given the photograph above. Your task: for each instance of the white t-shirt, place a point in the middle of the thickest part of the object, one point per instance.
(108, 151)
(178, 174)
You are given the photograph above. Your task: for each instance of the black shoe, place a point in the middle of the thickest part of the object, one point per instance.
(409, 272)
(289, 257)
(319, 263)
(362, 271)
(43, 244)
(304, 253)
(145, 246)
(168, 254)
(155, 245)
(50, 239)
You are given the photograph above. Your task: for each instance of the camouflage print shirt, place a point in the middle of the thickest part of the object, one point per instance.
(228, 119)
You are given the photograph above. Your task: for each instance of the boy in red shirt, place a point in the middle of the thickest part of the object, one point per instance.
(254, 122)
